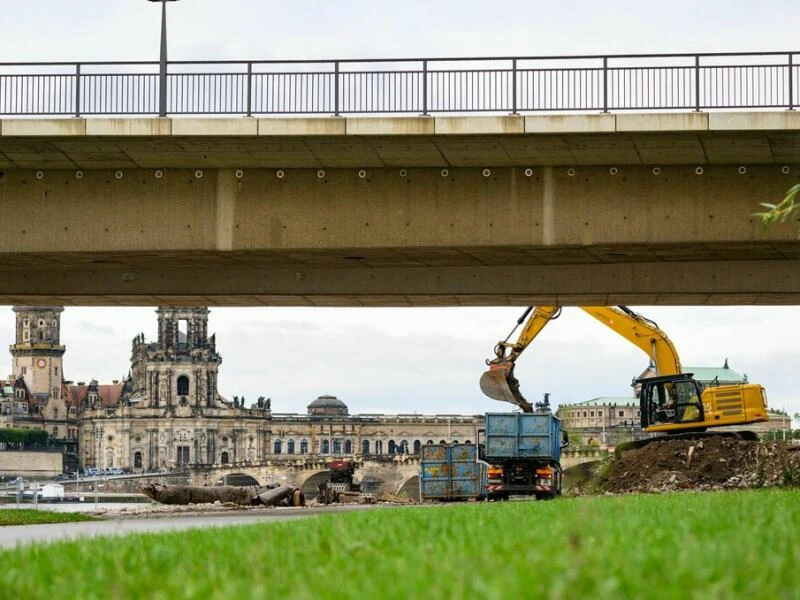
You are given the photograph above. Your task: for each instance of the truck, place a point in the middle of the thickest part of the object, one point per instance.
(450, 472)
(523, 451)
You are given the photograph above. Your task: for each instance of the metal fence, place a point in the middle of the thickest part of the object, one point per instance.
(509, 85)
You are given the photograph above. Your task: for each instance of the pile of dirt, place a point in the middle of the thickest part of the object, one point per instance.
(710, 463)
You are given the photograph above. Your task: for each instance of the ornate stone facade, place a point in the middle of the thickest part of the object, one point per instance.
(168, 411)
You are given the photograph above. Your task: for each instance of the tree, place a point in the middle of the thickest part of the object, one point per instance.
(20, 438)
(780, 213)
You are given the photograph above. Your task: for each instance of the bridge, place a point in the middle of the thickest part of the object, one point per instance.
(385, 473)
(551, 180)
(377, 474)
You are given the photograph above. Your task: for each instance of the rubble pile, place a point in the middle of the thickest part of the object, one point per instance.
(709, 463)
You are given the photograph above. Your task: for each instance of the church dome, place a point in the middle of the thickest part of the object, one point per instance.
(327, 405)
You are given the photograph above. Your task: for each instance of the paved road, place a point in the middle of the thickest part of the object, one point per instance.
(17, 535)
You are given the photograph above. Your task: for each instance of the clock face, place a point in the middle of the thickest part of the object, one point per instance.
(41, 363)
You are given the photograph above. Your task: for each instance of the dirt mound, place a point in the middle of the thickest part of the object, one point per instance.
(710, 463)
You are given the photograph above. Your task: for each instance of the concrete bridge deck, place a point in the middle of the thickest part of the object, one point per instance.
(482, 210)
(693, 138)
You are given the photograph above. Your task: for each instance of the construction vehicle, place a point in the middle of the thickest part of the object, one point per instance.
(340, 480)
(523, 451)
(451, 472)
(671, 401)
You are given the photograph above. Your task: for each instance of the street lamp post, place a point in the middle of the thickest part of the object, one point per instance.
(162, 70)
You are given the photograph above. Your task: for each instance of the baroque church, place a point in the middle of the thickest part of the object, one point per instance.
(168, 411)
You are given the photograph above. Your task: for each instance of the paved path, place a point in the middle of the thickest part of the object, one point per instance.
(17, 535)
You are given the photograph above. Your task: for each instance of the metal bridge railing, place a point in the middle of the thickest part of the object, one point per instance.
(509, 85)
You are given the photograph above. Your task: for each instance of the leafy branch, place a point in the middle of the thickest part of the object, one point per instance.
(779, 213)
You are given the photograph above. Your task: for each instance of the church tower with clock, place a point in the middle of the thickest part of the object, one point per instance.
(37, 360)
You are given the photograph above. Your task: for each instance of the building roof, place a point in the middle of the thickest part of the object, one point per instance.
(327, 401)
(708, 374)
(109, 394)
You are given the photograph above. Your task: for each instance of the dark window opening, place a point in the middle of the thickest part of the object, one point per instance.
(182, 456)
(183, 385)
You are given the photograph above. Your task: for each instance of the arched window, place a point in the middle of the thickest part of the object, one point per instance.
(337, 446)
(455, 441)
(403, 449)
(290, 447)
(348, 447)
(326, 447)
(183, 385)
(379, 447)
(468, 442)
(442, 442)
(137, 460)
(224, 458)
(429, 442)
(417, 446)
(277, 447)
(392, 447)
(304, 446)
(364, 446)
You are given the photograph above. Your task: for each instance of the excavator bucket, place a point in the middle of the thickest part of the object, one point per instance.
(499, 383)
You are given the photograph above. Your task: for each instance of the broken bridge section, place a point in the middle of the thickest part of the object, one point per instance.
(376, 474)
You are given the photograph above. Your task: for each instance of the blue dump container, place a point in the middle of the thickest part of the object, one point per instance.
(523, 435)
(451, 472)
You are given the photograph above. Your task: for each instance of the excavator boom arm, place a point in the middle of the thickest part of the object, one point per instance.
(499, 382)
(541, 316)
(641, 332)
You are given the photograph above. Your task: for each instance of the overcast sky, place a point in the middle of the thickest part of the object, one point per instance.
(412, 360)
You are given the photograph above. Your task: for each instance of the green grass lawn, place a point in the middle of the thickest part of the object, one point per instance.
(25, 516)
(712, 545)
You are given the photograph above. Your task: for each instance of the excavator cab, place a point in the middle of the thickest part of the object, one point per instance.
(670, 400)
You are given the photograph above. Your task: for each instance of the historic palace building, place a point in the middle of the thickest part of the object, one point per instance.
(168, 411)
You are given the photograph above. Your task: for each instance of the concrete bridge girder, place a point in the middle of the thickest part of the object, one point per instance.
(630, 238)
(483, 210)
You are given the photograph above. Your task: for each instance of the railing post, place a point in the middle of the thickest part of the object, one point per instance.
(791, 83)
(249, 89)
(425, 87)
(78, 90)
(336, 88)
(513, 86)
(697, 83)
(605, 84)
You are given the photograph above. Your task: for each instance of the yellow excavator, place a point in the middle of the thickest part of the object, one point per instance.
(671, 401)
